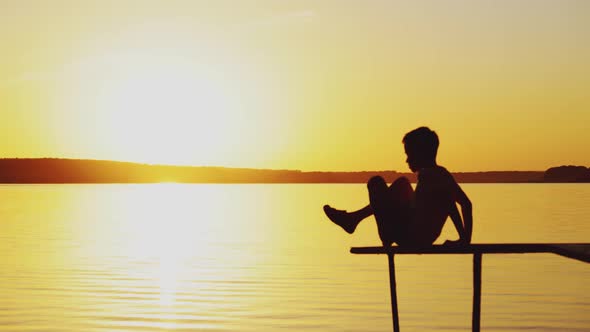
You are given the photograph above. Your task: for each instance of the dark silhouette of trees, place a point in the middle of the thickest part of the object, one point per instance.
(53, 170)
(567, 174)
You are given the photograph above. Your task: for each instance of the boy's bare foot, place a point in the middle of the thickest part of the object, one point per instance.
(341, 218)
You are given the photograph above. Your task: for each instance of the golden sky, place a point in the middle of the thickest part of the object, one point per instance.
(311, 85)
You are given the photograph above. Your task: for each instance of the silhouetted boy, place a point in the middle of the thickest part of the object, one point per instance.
(408, 217)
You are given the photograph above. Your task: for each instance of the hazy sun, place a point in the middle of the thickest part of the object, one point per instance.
(161, 110)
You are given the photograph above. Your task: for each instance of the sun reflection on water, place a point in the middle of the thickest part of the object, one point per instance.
(168, 280)
(259, 257)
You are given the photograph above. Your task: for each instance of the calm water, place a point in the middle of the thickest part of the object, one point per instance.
(263, 258)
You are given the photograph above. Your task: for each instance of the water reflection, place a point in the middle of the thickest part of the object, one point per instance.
(261, 257)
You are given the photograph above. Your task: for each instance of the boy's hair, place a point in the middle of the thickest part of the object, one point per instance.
(422, 141)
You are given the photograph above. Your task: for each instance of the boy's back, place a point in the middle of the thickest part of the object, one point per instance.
(433, 198)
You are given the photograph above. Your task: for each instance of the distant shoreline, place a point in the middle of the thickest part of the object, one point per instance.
(66, 171)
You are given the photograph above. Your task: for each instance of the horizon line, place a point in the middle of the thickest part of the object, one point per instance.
(264, 169)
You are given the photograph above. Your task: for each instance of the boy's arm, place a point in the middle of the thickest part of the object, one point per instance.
(458, 222)
(466, 211)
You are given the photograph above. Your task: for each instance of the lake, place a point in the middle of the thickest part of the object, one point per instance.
(183, 257)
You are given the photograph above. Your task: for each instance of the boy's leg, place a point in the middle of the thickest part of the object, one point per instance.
(390, 206)
(347, 220)
(400, 191)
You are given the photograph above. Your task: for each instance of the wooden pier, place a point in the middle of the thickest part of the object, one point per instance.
(578, 251)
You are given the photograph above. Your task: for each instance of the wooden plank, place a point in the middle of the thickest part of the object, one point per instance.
(575, 250)
(579, 251)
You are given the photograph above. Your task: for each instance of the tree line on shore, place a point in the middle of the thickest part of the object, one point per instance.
(54, 170)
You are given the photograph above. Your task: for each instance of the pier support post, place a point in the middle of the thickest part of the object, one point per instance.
(578, 251)
(393, 291)
(475, 318)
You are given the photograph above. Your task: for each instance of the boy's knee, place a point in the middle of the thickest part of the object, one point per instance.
(402, 181)
(402, 188)
(376, 182)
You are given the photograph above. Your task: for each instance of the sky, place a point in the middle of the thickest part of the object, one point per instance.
(309, 85)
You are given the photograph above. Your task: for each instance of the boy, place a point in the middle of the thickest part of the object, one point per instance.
(408, 217)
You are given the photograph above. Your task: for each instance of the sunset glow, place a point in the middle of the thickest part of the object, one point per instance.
(296, 84)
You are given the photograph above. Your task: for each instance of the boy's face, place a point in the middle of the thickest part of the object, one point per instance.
(416, 160)
(411, 159)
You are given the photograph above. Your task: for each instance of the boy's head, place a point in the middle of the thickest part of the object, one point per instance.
(421, 145)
